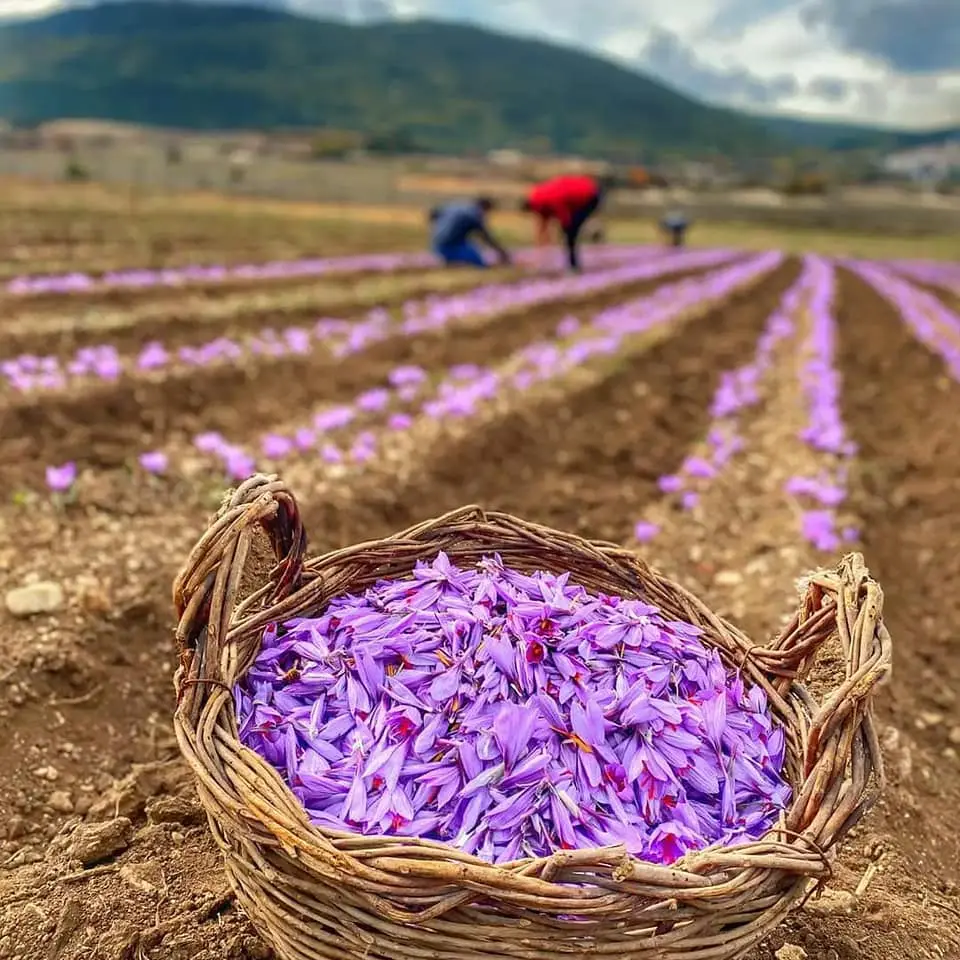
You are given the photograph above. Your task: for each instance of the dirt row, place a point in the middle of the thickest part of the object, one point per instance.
(902, 408)
(894, 889)
(158, 240)
(94, 696)
(53, 260)
(199, 316)
(104, 425)
(196, 313)
(108, 297)
(157, 253)
(950, 295)
(583, 461)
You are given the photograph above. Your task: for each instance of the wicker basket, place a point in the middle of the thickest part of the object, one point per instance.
(315, 893)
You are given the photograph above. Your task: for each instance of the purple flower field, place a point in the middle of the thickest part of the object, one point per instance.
(737, 418)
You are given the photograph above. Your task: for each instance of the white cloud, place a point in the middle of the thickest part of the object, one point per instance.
(887, 61)
(15, 8)
(774, 55)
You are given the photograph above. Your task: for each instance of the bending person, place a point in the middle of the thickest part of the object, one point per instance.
(453, 225)
(674, 225)
(570, 201)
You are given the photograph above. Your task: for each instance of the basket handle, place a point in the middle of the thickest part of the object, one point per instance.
(206, 589)
(841, 748)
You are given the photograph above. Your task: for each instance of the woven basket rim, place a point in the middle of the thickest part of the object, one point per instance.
(837, 740)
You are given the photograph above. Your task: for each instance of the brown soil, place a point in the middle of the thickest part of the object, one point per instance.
(28, 258)
(87, 697)
(114, 297)
(951, 299)
(198, 316)
(136, 238)
(902, 408)
(103, 424)
(583, 460)
(193, 320)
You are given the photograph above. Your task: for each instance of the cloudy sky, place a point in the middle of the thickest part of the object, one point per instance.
(887, 61)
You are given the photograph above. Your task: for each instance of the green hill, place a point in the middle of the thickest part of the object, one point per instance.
(837, 135)
(446, 86)
(438, 86)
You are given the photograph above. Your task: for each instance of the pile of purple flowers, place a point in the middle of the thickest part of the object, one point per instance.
(512, 715)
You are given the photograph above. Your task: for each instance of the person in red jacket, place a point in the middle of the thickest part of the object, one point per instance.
(571, 201)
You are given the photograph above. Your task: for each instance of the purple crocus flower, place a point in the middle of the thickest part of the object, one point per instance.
(399, 421)
(645, 531)
(60, 479)
(670, 483)
(275, 447)
(699, 467)
(156, 461)
(331, 453)
(824, 431)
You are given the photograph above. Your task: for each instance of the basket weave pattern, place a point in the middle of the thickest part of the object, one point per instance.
(318, 894)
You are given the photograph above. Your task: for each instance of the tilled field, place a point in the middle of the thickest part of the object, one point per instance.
(51, 240)
(582, 404)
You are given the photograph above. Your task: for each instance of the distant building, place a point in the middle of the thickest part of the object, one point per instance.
(101, 133)
(933, 162)
(556, 166)
(241, 158)
(505, 158)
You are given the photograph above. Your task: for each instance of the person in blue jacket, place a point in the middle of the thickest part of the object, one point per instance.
(674, 225)
(453, 225)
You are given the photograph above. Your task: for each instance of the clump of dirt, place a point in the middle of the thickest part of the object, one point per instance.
(120, 890)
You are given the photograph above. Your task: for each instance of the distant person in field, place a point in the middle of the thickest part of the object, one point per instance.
(568, 200)
(454, 224)
(674, 225)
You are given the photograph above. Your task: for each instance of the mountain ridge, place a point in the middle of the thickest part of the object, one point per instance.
(444, 86)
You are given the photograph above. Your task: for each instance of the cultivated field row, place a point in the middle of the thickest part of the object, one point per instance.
(28, 321)
(108, 418)
(736, 421)
(103, 360)
(84, 283)
(114, 408)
